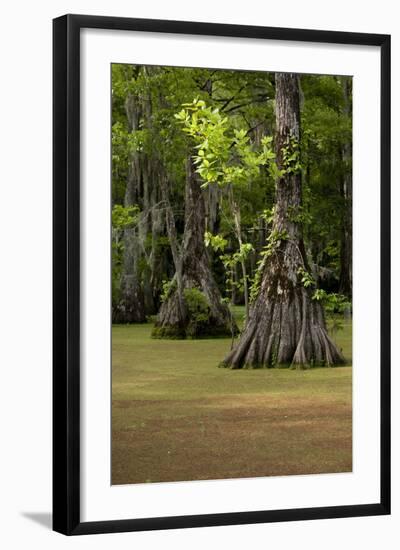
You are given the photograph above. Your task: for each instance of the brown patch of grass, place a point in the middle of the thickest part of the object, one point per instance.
(175, 416)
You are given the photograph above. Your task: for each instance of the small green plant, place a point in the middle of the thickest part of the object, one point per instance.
(216, 242)
(197, 309)
(291, 156)
(167, 288)
(306, 278)
(123, 216)
(268, 215)
(273, 242)
(335, 305)
(299, 215)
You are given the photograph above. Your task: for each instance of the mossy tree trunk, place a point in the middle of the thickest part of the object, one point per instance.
(285, 325)
(179, 316)
(142, 269)
(130, 307)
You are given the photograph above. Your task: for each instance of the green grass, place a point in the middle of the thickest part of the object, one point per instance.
(176, 416)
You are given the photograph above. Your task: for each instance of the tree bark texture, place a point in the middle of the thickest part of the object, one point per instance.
(131, 306)
(175, 319)
(285, 325)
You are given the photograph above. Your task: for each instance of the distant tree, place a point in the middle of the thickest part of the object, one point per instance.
(327, 174)
(130, 306)
(193, 303)
(226, 158)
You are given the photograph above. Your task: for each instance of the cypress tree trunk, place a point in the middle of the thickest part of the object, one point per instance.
(130, 307)
(193, 307)
(157, 256)
(285, 326)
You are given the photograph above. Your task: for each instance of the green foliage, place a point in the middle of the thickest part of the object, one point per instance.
(319, 295)
(198, 311)
(299, 215)
(291, 157)
(225, 154)
(327, 131)
(334, 303)
(216, 242)
(306, 278)
(168, 287)
(230, 261)
(274, 240)
(244, 251)
(123, 216)
(196, 304)
(268, 215)
(256, 284)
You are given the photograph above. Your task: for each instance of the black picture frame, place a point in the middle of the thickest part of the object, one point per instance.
(66, 273)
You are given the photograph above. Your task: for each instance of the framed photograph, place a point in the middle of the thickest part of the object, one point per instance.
(221, 274)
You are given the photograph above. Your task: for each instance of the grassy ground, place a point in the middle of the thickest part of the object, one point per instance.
(175, 416)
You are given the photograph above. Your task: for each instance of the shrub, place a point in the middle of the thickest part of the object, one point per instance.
(198, 311)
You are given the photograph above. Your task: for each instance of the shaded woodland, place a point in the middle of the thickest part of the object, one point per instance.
(233, 188)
